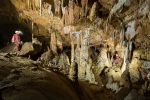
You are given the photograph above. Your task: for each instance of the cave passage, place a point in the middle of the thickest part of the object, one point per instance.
(8, 29)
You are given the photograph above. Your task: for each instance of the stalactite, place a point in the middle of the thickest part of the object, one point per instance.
(28, 4)
(57, 4)
(50, 13)
(93, 11)
(122, 36)
(32, 30)
(20, 15)
(130, 49)
(116, 7)
(127, 52)
(71, 10)
(84, 4)
(63, 16)
(37, 4)
(40, 7)
(49, 9)
(67, 16)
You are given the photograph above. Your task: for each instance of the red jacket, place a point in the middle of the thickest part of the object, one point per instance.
(15, 38)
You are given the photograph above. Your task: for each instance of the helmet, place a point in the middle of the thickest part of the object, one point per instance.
(17, 32)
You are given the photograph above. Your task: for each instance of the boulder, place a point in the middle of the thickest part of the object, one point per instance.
(125, 79)
(29, 49)
(134, 70)
(134, 95)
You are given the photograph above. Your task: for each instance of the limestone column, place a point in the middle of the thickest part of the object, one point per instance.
(72, 48)
(72, 69)
(53, 43)
(84, 55)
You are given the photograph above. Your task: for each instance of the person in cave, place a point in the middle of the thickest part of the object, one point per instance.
(61, 48)
(116, 57)
(16, 39)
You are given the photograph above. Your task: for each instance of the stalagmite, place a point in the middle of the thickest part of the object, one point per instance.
(77, 36)
(89, 74)
(72, 48)
(78, 49)
(123, 68)
(72, 69)
(53, 42)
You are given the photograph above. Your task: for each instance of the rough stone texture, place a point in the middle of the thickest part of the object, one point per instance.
(133, 95)
(84, 55)
(29, 49)
(125, 79)
(121, 26)
(134, 71)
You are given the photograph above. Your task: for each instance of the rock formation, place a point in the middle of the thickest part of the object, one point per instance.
(99, 49)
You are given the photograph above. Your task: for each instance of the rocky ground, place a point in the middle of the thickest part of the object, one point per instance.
(24, 79)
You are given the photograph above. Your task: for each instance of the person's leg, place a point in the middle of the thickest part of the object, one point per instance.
(16, 46)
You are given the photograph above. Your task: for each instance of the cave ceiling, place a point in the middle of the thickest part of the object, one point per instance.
(102, 16)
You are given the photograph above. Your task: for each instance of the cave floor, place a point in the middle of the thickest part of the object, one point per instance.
(23, 78)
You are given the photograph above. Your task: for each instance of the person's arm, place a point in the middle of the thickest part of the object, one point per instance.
(13, 39)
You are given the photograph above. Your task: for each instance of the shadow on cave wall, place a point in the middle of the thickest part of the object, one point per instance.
(9, 24)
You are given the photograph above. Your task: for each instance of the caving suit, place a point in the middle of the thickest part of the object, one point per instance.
(16, 39)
